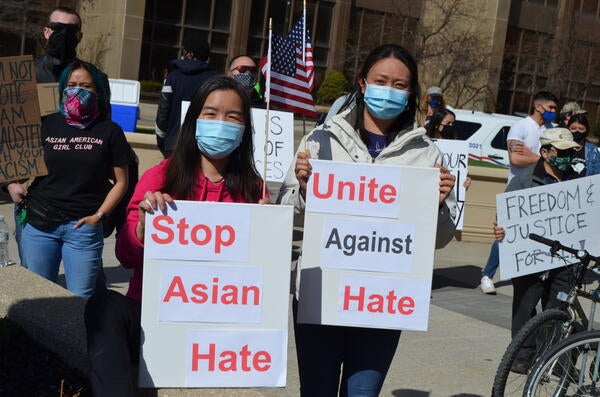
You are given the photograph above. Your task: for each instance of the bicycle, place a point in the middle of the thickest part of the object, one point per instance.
(550, 326)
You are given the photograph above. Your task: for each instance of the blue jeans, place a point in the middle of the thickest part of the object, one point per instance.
(80, 250)
(493, 261)
(362, 355)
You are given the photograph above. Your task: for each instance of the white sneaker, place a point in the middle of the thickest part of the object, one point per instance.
(487, 285)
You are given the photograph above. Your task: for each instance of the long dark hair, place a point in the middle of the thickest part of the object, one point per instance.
(241, 178)
(435, 121)
(100, 81)
(581, 119)
(406, 118)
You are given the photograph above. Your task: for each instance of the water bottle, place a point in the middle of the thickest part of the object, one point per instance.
(4, 233)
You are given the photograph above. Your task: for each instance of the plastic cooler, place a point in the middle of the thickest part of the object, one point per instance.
(124, 101)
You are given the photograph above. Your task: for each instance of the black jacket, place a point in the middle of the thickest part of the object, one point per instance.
(180, 85)
(48, 69)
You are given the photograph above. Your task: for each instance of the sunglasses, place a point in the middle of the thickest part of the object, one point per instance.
(244, 68)
(56, 26)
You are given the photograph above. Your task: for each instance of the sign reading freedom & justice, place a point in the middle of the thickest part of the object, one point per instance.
(369, 240)
(215, 291)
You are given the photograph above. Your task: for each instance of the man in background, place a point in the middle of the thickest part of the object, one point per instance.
(243, 69)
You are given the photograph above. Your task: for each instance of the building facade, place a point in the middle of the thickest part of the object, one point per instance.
(486, 54)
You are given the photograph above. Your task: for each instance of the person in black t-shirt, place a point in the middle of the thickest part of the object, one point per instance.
(83, 148)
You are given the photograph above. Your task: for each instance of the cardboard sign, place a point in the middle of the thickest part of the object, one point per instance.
(280, 147)
(564, 211)
(369, 241)
(49, 98)
(223, 315)
(21, 153)
(455, 158)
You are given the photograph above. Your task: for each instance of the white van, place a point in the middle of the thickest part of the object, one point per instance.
(486, 134)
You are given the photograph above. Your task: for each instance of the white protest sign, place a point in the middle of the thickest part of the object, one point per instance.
(185, 105)
(338, 189)
(564, 211)
(368, 248)
(224, 321)
(455, 158)
(280, 147)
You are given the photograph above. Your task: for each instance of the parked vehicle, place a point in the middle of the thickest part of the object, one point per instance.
(486, 134)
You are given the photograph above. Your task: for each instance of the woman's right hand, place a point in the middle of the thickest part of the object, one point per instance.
(499, 232)
(150, 203)
(303, 170)
(16, 191)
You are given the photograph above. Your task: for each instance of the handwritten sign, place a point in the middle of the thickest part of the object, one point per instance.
(21, 153)
(49, 98)
(565, 211)
(218, 300)
(280, 147)
(368, 246)
(455, 158)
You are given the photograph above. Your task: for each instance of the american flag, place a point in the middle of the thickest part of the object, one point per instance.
(292, 79)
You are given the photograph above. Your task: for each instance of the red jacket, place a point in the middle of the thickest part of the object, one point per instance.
(129, 250)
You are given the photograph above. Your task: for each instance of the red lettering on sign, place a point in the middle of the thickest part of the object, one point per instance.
(231, 361)
(229, 294)
(223, 235)
(376, 303)
(352, 190)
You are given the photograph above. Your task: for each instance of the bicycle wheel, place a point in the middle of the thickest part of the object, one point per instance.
(569, 368)
(538, 334)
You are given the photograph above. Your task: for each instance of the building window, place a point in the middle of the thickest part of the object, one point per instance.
(167, 24)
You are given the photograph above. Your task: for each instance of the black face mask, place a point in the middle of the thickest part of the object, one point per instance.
(578, 136)
(63, 41)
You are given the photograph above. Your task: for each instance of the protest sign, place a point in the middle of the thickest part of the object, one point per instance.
(215, 291)
(563, 211)
(21, 153)
(280, 147)
(455, 158)
(49, 98)
(369, 240)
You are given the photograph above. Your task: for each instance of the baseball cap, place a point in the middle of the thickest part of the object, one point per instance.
(573, 108)
(434, 91)
(560, 138)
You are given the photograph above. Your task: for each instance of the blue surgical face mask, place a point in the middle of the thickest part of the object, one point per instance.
(216, 138)
(434, 102)
(548, 116)
(385, 102)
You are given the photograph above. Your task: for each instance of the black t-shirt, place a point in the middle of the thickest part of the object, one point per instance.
(79, 164)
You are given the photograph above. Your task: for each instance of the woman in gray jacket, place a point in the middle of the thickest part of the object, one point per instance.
(375, 125)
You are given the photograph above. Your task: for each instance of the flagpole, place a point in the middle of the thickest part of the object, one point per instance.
(304, 34)
(267, 118)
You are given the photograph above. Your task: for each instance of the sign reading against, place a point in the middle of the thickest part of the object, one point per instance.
(455, 158)
(364, 234)
(280, 147)
(564, 211)
(218, 300)
(21, 152)
(361, 189)
(236, 360)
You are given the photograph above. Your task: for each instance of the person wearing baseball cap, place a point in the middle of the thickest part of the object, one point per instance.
(554, 166)
(433, 99)
(568, 110)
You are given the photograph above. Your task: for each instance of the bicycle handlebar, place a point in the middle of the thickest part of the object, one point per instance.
(555, 245)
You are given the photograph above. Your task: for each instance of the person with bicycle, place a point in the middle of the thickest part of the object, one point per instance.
(554, 166)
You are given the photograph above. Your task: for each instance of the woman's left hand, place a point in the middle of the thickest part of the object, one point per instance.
(447, 181)
(88, 220)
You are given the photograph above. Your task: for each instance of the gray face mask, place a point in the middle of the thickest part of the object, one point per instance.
(246, 78)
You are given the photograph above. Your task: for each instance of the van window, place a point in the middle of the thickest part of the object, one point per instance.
(464, 129)
(499, 141)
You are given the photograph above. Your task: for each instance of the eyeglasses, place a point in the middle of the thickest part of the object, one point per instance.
(60, 26)
(244, 68)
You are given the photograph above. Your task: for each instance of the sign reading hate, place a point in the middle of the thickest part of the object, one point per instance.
(564, 211)
(21, 152)
(280, 146)
(219, 300)
(366, 228)
(455, 158)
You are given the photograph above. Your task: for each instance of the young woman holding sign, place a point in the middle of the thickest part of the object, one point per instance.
(376, 125)
(63, 211)
(212, 161)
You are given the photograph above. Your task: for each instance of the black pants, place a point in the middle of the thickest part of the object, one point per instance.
(112, 323)
(529, 289)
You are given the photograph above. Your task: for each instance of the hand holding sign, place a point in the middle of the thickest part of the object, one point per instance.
(303, 170)
(447, 181)
(151, 203)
